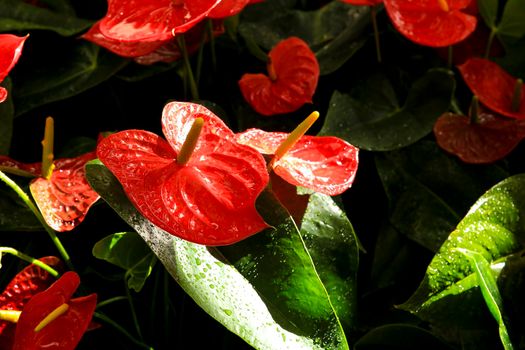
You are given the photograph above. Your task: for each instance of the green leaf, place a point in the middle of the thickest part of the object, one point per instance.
(494, 228)
(512, 23)
(333, 246)
(371, 117)
(7, 112)
(489, 288)
(76, 69)
(334, 32)
(128, 251)
(19, 16)
(489, 11)
(400, 336)
(429, 191)
(217, 286)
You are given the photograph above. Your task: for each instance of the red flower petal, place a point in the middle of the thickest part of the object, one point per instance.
(211, 199)
(297, 73)
(488, 140)
(152, 20)
(10, 51)
(363, 2)
(120, 47)
(493, 86)
(65, 199)
(28, 282)
(324, 164)
(66, 330)
(426, 23)
(228, 8)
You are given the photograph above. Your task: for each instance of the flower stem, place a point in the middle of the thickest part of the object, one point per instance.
(36, 212)
(29, 259)
(489, 42)
(474, 110)
(373, 14)
(187, 65)
(450, 57)
(212, 44)
(47, 148)
(191, 141)
(516, 97)
(111, 301)
(292, 139)
(121, 329)
(132, 309)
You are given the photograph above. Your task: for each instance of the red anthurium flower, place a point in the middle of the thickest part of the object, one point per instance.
(28, 282)
(208, 200)
(10, 51)
(228, 8)
(324, 164)
(52, 320)
(65, 198)
(487, 140)
(435, 23)
(495, 88)
(152, 20)
(293, 74)
(363, 2)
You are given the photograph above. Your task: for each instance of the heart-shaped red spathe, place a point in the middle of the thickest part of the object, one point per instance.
(493, 86)
(363, 2)
(10, 50)
(425, 22)
(28, 282)
(64, 332)
(296, 74)
(228, 8)
(211, 199)
(324, 164)
(152, 20)
(66, 197)
(489, 139)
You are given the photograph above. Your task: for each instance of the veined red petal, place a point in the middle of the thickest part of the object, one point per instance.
(28, 282)
(363, 2)
(486, 141)
(65, 199)
(297, 72)
(493, 86)
(66, 330)
(426, 23)
(227, 8)
(211, 199)
(324, 164)
(152, 20)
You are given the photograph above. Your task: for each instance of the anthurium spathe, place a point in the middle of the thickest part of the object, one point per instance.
(52, 320)
(293, 72)
(152, 20)
(209, 197)
(495, 88)
(227, 8)
(435, 23)
(324, 164)
(10, 51)
(28, 282)
(485, 140)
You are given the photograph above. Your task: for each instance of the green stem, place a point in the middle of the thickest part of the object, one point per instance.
(121, 329)
(474, 110)
(36, 212)
(16, 171)
(132, 309)
(212, 45)
(111, 301)
(489, 42)
(200, 57)
(29, 259)
(450, 56)
(187, 65)
(376, 33)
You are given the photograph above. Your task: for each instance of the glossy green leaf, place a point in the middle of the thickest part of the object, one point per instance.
(400, 336)
(218, 286)
(334, 32)
(332, 244)
(6, 119)
(429, 191)
(128, 251)
(489, 11)
(494, 228)
(19, 16)
(371, 117)
(71, 72)
(14, 215)
(512, 23)
(489, 288)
